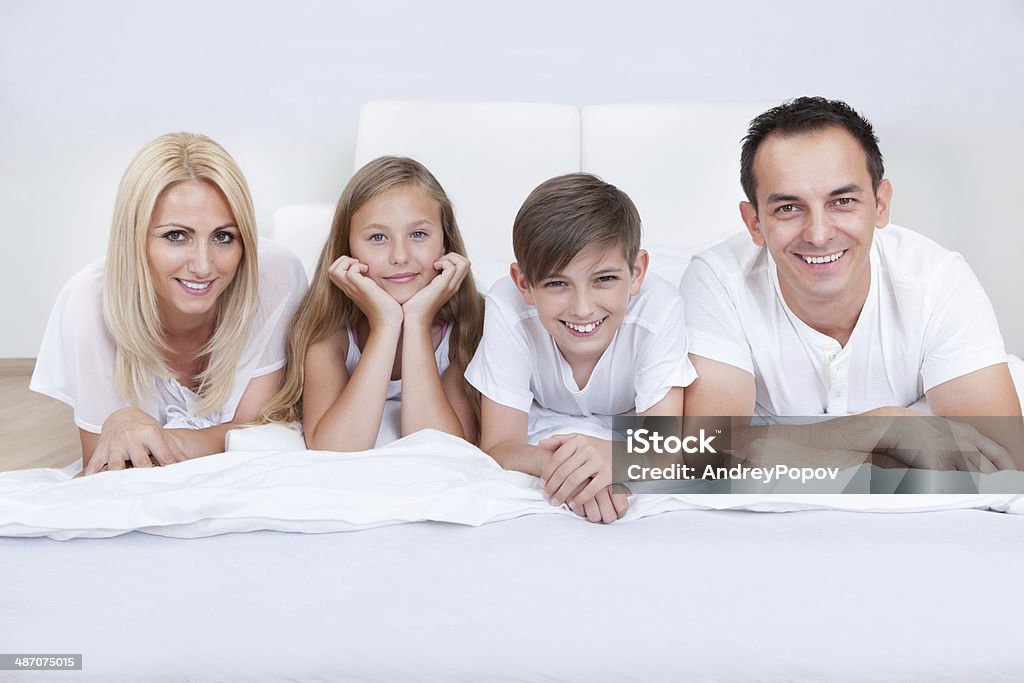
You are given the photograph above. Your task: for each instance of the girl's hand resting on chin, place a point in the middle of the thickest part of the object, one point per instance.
(379, 307)
(425, 304)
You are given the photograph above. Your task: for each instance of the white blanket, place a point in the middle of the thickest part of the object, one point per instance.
(426, 476)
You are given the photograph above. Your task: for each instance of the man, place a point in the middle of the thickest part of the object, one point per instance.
(826, 313)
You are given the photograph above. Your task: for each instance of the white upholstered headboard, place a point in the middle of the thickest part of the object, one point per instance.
(678, 162)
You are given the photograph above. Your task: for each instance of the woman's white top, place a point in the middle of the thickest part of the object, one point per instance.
(76, 359)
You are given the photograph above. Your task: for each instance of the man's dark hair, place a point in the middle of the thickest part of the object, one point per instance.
(807, 115)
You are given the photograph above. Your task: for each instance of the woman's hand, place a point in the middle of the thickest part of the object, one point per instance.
(379, 307)
(131, 437)
(424, 304)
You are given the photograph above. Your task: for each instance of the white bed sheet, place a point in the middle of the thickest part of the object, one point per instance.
(689, 595)
(428, 476)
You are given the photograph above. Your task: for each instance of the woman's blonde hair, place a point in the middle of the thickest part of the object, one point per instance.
(325, 308)
(129, 299)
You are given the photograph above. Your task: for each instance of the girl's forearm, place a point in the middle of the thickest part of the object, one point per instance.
(353, 420)
(424, 403)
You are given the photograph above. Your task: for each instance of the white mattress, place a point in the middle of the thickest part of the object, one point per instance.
(496, 584)
(689, 595)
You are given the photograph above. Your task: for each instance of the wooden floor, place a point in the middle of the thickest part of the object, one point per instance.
(35, 430)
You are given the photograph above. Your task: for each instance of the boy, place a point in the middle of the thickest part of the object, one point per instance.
(576, 335)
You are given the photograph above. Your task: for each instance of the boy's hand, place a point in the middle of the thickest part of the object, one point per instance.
(425, 303)
(606, 507)
(575, 461)
(378, 306)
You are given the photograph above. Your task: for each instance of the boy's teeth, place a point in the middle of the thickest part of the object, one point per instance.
(824, 259)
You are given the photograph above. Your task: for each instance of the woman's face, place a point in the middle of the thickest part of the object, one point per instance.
(193, 248)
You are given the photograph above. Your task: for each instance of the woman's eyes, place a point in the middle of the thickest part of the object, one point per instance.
(175, 236)
(181, 237)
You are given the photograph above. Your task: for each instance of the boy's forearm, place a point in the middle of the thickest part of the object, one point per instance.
(519, 456)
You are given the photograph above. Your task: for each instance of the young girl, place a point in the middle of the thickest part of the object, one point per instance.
(392, 313)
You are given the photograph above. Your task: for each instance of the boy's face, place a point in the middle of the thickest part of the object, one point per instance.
(583, 305)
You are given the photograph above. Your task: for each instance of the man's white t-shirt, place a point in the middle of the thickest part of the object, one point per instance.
(926, 321)
(519, 365)
(76, 359)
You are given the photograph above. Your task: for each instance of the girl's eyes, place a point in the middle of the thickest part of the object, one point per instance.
(419, 234)
(377, 237)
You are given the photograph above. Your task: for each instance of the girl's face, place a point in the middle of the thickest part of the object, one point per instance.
(399, 236)
(193, 248)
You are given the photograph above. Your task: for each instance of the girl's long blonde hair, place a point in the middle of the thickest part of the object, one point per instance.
(325, 308)
(129, 299)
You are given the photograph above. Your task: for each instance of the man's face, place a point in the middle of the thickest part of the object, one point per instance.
(817, 213)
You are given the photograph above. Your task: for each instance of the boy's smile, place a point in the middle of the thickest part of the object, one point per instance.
(582, 305)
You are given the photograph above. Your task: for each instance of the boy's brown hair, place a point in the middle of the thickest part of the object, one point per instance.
(567, 214)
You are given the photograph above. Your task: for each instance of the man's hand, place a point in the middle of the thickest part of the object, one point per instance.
(131, 437)
(576, 461)
(938, 443)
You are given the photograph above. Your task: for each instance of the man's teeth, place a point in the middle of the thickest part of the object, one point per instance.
(195, 285)
(824, 259)
(585, 329)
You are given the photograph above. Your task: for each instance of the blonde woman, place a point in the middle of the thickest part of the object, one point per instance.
(179, 334)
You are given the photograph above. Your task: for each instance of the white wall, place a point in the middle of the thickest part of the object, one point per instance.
(83, 85)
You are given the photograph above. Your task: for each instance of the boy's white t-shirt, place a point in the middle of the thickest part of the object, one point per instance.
(519, 365)
(76, 358)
